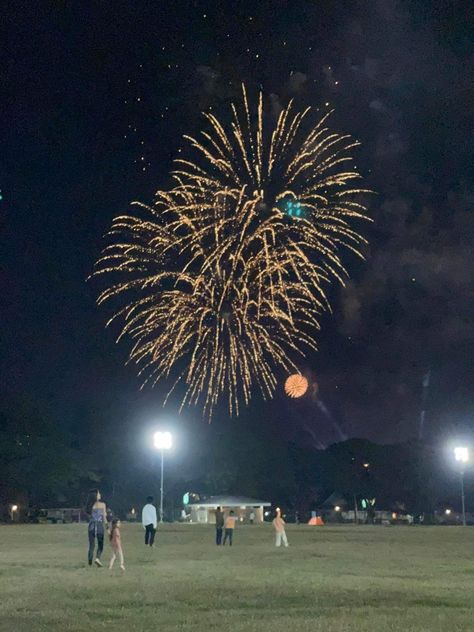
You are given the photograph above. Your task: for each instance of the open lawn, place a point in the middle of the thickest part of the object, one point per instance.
(331, 579)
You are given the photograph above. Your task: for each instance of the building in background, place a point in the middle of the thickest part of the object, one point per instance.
(204, 511)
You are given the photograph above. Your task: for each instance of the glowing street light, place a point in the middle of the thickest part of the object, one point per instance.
(337, 508)
(448, 512)
(162, 441)
(461, 454)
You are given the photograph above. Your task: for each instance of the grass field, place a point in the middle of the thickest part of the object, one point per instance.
(331, 579)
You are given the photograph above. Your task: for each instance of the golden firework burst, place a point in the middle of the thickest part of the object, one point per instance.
(223, 281)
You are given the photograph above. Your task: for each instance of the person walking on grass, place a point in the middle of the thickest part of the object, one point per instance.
(149, 521)
(229, 528)
(97, 512)
(116, 544)
(279, 526)
(219, 525)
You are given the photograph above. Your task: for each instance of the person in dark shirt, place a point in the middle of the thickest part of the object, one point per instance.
(97, 512)
(219, 525)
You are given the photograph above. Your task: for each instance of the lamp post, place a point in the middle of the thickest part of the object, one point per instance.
(162, 441)
(461, 454)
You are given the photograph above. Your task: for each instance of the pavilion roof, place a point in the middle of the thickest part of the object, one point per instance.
(230, 501)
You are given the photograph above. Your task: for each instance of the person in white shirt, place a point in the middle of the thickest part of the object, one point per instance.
(149, 521)
(279, 526)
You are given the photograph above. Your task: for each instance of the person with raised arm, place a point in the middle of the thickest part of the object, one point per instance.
(97, 513)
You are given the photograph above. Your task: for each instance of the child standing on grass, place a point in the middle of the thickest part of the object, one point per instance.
(279, 525)
(229, 528)
(116, 544)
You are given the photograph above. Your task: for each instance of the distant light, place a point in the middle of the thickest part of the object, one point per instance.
(366, 465)
(448, 512)
(394, 516)
(461, 454)
(162, 440)
(337, 508)
(267, 513)
(14, 507)
(133, 511)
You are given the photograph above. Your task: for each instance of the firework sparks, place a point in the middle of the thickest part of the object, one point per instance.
(223, 284)
(296, 385)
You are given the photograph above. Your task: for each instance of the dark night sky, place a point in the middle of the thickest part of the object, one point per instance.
(98, 96)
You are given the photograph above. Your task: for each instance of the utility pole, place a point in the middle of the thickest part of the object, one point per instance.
(424, 397)
(463, 502)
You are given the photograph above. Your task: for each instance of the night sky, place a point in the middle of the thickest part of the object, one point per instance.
(98, 98)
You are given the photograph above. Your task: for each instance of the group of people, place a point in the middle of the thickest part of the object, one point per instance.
(225, 526)
(96, 509)
(97, 527)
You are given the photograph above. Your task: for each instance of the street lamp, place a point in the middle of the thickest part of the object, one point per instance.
(162, 441)
(461, 454)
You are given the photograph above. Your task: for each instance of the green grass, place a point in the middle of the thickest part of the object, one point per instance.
(331, 579)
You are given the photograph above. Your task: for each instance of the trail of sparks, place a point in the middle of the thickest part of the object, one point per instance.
(220, 286)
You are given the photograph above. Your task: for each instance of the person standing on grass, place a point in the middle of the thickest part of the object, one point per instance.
(97, 512)
(219, 525)
(229, 528)
(252, 517)
(116, 544)
(149, 521)
(279, 525)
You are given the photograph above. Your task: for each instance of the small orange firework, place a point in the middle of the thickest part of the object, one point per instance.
(296, 385)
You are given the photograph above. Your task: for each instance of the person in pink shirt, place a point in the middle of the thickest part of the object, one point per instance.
(279, 526)
(116, 544)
